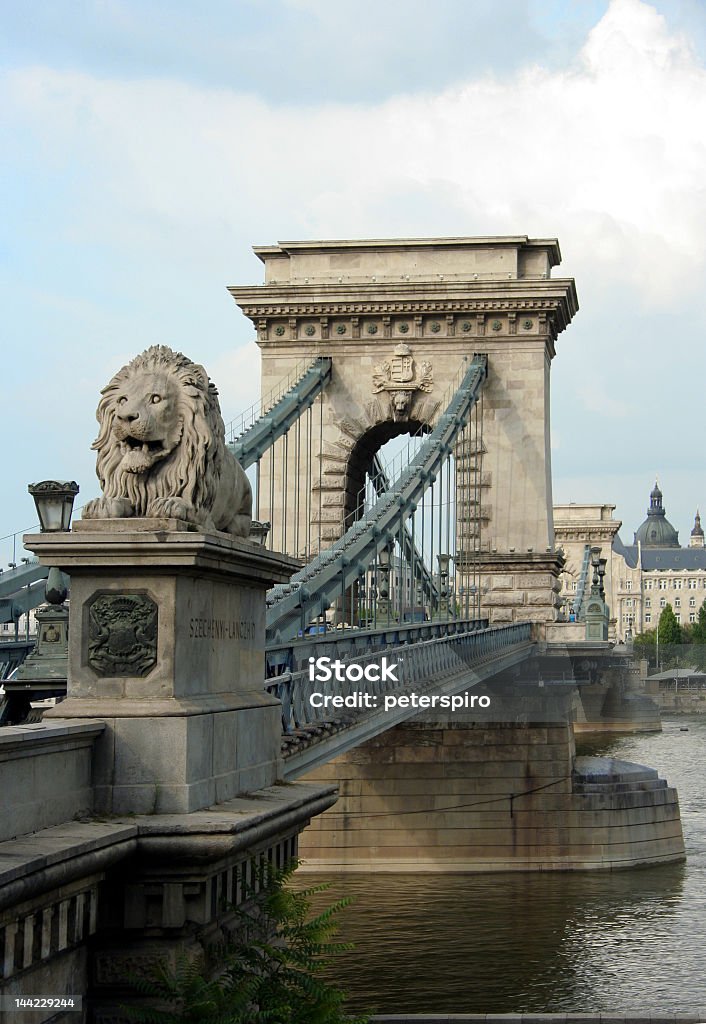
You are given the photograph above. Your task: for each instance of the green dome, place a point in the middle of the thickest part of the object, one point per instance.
(657, 531)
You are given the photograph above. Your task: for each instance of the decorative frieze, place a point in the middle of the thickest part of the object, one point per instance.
(340, 321)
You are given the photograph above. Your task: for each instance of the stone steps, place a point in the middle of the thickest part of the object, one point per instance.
(610, 775)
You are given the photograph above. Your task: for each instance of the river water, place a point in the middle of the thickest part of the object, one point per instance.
(626, 942)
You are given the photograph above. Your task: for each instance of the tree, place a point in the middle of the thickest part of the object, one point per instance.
(264, 974)
(669, 637)
(644, 645)
(698, 639)
(698, 631)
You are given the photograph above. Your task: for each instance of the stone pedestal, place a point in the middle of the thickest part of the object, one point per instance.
(519, 587)
(166, 645)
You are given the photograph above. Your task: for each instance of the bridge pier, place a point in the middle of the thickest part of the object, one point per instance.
(470, 796)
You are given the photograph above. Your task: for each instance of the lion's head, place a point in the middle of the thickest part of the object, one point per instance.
(161, 431)
(400, 404)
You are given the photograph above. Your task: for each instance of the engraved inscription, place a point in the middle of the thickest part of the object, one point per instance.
(221, 629)
(122, 635)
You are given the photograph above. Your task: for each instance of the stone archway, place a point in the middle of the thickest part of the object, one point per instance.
(398, 318)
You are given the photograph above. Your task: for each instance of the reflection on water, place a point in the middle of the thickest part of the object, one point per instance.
(627, 942)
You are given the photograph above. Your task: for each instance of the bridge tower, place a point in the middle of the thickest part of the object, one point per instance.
(398, 317)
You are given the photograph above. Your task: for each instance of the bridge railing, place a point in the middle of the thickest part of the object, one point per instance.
(350, 642)
(424, 666)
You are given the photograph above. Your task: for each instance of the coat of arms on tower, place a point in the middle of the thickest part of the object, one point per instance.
(398, 377)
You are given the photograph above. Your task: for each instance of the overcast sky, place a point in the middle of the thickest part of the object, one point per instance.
(148, 145)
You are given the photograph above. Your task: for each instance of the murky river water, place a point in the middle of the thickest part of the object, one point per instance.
(627, 942)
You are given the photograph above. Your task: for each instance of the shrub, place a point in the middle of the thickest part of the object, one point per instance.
(264, 973)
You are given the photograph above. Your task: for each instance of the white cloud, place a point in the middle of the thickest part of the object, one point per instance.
(607, 154)
(171, 183)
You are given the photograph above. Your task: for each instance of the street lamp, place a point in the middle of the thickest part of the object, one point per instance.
(43, 672)
(384, 555)
(54, 501)
(443, 560)
(658, 618)
(259, 532)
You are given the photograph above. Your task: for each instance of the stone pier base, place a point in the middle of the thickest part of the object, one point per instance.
(477, 797)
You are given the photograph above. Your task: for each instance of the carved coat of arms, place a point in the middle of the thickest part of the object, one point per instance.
(398, 377)
(122, 635)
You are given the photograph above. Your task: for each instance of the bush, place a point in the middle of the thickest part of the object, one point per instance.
(265, 973)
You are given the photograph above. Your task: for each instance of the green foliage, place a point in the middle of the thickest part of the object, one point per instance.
(670, 639)
(264, 974)
(698, 630)
(669, 629)
(644, 645)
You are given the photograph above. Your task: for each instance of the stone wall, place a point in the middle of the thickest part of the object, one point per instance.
(46, 774)
(462, 796)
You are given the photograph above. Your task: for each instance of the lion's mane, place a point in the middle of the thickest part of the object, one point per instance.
(192, 470)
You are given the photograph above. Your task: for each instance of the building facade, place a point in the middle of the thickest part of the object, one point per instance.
(641, 578)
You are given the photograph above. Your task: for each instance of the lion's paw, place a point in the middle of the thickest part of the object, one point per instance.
(108, 508)
(170, 508)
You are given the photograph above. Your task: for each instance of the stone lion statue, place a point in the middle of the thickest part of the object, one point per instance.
(161, 447)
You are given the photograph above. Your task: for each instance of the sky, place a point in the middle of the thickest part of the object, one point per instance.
(146, 146)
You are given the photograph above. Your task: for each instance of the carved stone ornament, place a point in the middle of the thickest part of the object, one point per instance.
(122, 635)
(161, 448)
(398, 377)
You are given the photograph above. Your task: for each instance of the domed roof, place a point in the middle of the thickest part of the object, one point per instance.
(657, 531)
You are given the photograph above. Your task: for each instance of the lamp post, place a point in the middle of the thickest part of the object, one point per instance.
(596, 611)
(384, 588)
(658, 618)
(54, 501)
(259, 532)
(443, 560)
(43, 672)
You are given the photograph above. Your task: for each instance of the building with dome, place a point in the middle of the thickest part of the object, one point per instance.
(642, 577)
(656, 531)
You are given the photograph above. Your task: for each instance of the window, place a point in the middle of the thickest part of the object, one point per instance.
(662, 584)
(648, 617)
(692, 602)
(628, 602)
(677, 616)
(663, 602)
(677, 602)
(649, 583)
(628, 584)
(648, 602)
(575, 585)
(693, 584)
(677, 584)
(692, 616)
